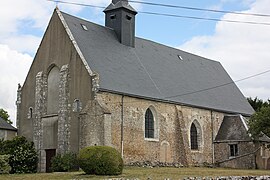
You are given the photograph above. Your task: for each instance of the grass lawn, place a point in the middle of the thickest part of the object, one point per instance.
(144, 173)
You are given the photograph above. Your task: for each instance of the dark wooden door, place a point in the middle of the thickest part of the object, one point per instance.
(49, 154)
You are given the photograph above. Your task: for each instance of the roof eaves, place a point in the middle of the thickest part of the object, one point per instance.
(168, 101)
(10, 129)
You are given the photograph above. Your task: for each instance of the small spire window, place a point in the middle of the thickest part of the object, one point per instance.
(128, 17)
(113, 16)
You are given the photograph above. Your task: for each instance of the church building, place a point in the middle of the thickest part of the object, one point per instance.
(100, 85)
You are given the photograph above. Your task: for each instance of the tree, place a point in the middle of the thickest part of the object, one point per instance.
(260, 122)
(4, 115)
(23, 157)
(257, 103)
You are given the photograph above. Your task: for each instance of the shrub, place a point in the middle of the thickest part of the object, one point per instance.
(100, 160)
(4, 166)
(65, 162)
(22, 155)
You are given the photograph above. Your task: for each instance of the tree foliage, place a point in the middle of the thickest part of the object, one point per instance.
(65, 162)
(260, 122)
(4, 166)
(4, 115)
(23, 157)
(257, 103)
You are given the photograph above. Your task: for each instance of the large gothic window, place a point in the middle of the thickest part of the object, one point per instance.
(193, 137)
(53, 91)
(149, 124)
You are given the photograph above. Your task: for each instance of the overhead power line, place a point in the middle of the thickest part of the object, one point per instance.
(206, 89)
(197, 91)
(207, 19)
(221, 85)
(172, 15)
(199, 9)
(77, 4)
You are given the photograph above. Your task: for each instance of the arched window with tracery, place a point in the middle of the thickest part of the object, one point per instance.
(149, 124)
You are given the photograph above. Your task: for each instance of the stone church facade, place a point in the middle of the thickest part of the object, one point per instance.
(94, 85)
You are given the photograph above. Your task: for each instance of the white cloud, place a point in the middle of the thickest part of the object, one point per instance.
(20, 20)
(241, 48)
(23, 23)
(14, 67)
(14, 13)
(23, 43)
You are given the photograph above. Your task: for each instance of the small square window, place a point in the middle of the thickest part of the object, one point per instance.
(233, 150)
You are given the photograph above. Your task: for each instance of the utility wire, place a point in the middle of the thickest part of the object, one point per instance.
(170, 15)
(206, 89)
(207, 19)
(77, 4)
(221, 85)
(199, 9)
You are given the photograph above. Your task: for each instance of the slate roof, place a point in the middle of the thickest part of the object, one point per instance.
(155, 71)
(234, 128)
(6, 126)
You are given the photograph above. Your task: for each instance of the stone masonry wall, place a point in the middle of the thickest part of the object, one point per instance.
(222, 153)
(39, 111)
(64, 111)
(172, 143)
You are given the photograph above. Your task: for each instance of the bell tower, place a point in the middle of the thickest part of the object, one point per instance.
(120, 16)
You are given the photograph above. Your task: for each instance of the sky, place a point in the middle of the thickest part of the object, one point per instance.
(242, 49)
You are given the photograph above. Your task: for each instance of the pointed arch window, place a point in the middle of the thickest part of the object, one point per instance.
(149, 124)
(53, 90)
(193, 137)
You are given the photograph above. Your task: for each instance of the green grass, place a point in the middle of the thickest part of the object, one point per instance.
(144, 173)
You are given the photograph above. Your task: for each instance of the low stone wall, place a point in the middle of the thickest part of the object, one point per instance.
(155, 164)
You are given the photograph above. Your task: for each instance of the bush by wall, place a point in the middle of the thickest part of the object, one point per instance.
(100, 160)
(22, 155)
(65, 162)
(4, 166)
